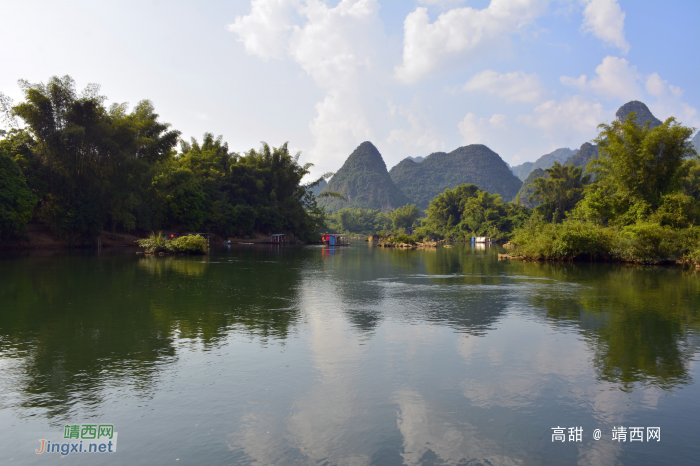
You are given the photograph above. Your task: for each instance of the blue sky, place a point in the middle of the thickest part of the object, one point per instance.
(522, 76)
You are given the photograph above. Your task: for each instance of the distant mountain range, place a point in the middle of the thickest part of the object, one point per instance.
(475, 163)
(365, 182)
(560, 155)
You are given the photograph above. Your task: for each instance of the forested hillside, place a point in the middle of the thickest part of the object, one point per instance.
(585, 154)
(365, 182)
(476, 164)
(528, 188)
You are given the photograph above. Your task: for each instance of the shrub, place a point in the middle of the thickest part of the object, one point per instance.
(193, 244)
(648, 243)
(564, 241)
(154, 243)
(402, 238)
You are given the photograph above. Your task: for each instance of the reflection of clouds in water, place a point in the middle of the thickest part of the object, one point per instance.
(425, 429)
(321, 421)
(324, 417)
(553, 372)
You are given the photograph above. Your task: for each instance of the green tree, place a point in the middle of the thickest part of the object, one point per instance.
(467, 211)
(643, 162)
(560, 191)
(404, 217)
(16, 199)
(97, 159)
(637, 172)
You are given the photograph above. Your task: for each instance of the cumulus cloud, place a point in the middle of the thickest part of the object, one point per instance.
(481, 130)
(460, 30)
(512, 87)
(615, 78)
(338, 47)
(658, 87)
(422, 135)
(265, 31)
(571, 119)
(606, 20)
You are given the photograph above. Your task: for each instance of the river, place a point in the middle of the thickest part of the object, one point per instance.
(348, 356)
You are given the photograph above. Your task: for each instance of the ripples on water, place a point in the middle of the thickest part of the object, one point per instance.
(294, 355)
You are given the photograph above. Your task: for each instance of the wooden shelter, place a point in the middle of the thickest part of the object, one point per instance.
(279, 238)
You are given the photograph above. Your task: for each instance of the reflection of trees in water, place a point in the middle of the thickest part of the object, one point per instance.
(638, 321)
(448, 286)
(81, 325)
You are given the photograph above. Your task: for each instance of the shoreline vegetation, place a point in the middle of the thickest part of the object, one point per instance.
(77, 173)
(79, 168)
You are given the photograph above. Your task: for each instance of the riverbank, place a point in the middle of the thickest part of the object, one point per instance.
(40, 237)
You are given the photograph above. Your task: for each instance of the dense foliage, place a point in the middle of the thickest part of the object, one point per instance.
(359, 221)
(524, 196)
(94, 167)
(559, 191)
(467, 211)
(365, 182)
(16, 199)
(476, 164)
(644, 205)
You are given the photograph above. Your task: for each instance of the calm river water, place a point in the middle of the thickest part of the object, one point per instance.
(353, 356)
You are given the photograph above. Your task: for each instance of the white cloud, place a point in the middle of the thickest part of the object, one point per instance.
(658, 87)
(440, 2)
(459, 30)
(339, 48)
(606, 20)
(265, 31)
(569, 120)
(481, 130)
(578, 83)
(615, 78)
(422, 136)
(513, 87)
(339, 126)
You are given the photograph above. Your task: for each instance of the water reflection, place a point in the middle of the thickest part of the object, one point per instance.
(366, 356)
(638, 322)
(81, 324)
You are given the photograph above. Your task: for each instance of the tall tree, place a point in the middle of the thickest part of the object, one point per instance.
(560, 191)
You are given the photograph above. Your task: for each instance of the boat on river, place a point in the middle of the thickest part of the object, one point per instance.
(330, 239)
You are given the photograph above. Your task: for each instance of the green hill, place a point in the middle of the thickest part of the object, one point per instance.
(544, 162)
(522, 170)
(365, 182)
(475, 163)
(585, 154)
(528, 188)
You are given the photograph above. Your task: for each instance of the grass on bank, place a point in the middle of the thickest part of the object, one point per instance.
(192, 244)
